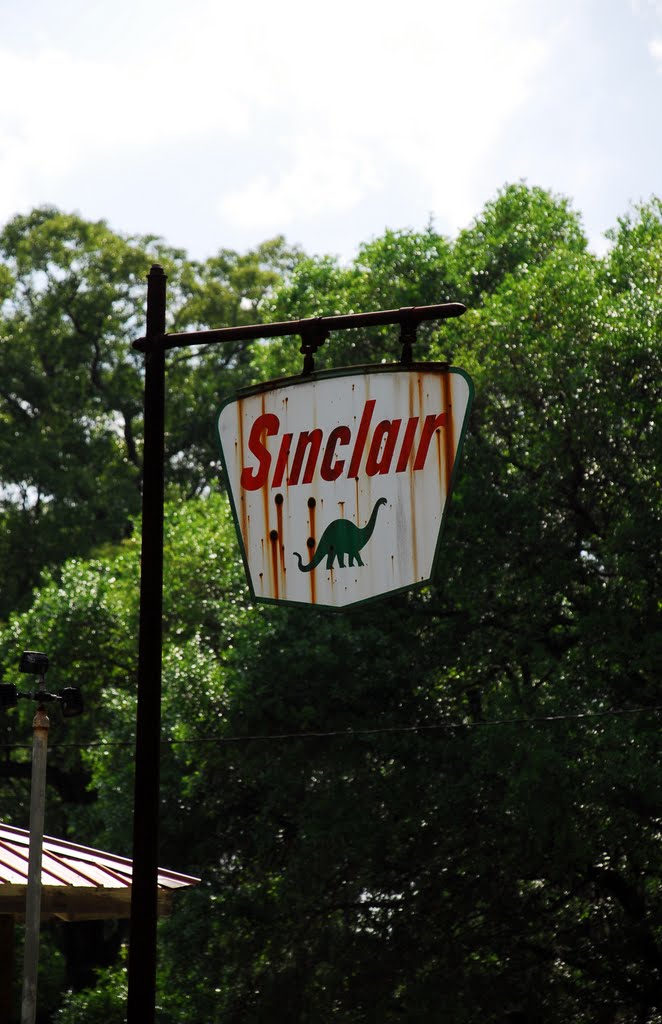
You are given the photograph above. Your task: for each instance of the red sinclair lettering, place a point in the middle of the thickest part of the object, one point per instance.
(432, 423)
(364, 425)
(310, 440)
(281, 462)
(382, 448)
(253, 479)
(407, 444)
(332, 470)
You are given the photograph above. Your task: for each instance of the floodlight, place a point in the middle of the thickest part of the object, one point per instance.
(33, 662)
(72, 702)
(8, 695)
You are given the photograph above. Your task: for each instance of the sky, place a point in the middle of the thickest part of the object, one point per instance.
(219, 125)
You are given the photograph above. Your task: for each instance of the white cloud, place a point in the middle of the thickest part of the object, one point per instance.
(59, 110)
(428, 90)
(334, 100)
(325, 175)
(650, 11)
(641, 7)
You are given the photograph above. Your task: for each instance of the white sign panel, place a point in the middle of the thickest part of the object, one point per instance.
(339, 483)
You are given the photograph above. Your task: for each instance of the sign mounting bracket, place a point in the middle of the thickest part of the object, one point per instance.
(408, 328)
(313, 336)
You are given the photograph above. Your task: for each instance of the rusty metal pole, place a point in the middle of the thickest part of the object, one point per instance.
(142, 936)
(40, 726)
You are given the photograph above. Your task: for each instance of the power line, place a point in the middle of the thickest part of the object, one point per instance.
(368, 731)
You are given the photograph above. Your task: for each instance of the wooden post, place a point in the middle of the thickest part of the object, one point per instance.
(40, 726)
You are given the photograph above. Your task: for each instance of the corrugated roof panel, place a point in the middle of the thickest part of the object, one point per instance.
(13, 863)
(70, 865)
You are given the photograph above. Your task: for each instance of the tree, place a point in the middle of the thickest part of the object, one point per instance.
(401, 268)
(517, 231)
(73, 295)
(444, 806)
(70, 398)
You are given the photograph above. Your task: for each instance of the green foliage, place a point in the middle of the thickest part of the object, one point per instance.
(444, 806)
(103, 1004)
(71, 394)
(402, 268)
(515, 232)
(70, 397)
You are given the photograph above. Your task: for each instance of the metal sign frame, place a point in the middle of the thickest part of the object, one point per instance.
(156, 342)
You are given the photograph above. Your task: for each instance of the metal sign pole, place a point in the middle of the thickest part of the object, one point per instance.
(40, 726)
(142, 937)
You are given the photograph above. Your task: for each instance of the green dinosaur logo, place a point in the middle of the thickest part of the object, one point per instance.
(341, 538)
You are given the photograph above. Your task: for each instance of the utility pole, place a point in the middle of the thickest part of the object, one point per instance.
(40, 726)
(71, 703)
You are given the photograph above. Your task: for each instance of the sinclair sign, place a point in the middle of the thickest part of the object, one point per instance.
(339, 482)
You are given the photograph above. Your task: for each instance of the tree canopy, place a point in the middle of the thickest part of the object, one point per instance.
(445, 806)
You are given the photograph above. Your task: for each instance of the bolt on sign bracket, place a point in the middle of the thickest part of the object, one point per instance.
(408, 327)
(313, 336)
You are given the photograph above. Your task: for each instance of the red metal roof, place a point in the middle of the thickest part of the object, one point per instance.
(78, 882)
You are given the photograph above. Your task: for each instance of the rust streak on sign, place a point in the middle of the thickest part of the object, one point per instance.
(275, 575)
(279, 519)
(449, 433)
(415, 405)
(239, 448)
(311, 545)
